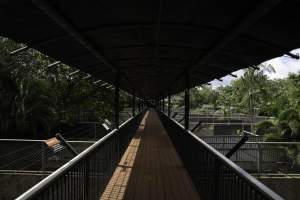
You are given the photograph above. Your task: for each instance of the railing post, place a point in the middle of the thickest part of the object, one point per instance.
(133, 103)
(169, 105)
(44, 156)
(116, 100)
(117, 112)
(159, 104)
(86, 179)
(187, 102)
(163, 104)
(139, 105)
(259, 158)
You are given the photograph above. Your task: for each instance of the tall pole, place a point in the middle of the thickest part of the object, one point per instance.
(187, 102)
(117, 99)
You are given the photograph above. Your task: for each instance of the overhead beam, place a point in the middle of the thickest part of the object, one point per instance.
(233, 75)
(19, 50)
(191, 27)
(98, 81)
(86, 77)
(261, 10)
(74, 72)
(50, 11)
(54, 64)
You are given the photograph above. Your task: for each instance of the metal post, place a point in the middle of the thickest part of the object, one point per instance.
(117, 111)
(66, 144)
(116, 102)
(133, 103)
(169, 105)
(139, 104)
(259, 158)
(159, 103)
(86, 179)
(187, 102)
(43, 158)
(163, 104)
(95, 130)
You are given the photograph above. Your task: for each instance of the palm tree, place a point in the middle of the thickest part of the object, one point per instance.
(251, 88)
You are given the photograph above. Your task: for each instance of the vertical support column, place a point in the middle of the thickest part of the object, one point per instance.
(133, 103)
(117, 99)
(169, 104)
(139, 104)
(163, 104)
(187, 102)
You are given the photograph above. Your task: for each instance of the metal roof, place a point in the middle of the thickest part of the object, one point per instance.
(153, 44)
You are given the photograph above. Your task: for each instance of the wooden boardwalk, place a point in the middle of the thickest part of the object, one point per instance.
(150, 168)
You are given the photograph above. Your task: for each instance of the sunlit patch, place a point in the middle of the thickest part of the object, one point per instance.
(115, 190)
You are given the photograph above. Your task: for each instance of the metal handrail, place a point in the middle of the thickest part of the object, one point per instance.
(235, 168)
(66, 167)
(283, 143)
(29, 140)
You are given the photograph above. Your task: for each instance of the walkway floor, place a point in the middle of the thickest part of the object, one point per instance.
(150, 168)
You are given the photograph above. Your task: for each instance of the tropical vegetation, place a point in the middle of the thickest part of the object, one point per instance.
(36, 99)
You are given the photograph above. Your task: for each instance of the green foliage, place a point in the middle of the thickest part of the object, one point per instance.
(35, 99)
(255, 94)
(265, 127)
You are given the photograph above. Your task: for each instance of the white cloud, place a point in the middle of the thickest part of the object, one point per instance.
(283, 66)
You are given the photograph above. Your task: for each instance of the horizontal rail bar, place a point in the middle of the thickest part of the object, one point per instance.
(67, 167)
(280, 143)
(220, 158)
(28, 140)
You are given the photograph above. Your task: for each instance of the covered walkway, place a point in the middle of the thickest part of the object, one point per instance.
(150, 167)
(152, 50)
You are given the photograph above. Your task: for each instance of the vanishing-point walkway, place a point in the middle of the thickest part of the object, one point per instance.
(150, 168)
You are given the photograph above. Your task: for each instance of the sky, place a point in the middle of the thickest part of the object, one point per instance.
(283, 66)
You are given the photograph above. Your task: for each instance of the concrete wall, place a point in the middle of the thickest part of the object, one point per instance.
(288, 188)
(13, 185)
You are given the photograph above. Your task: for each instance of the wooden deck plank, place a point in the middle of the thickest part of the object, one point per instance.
(150, 168)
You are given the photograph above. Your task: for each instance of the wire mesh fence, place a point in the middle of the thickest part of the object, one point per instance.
(34, 155)
(260, 157)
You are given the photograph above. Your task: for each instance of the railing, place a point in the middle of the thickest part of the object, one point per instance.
(215, 176)
(34, 155)
(86, 175)
(261, 157)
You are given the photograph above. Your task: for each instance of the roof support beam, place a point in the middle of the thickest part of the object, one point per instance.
(50, 11)
(86, 77)
(98, 81)
(19, 50)
(74, 72)
(187, 102)
(73, 32)
(262, 9)
(54, 64)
